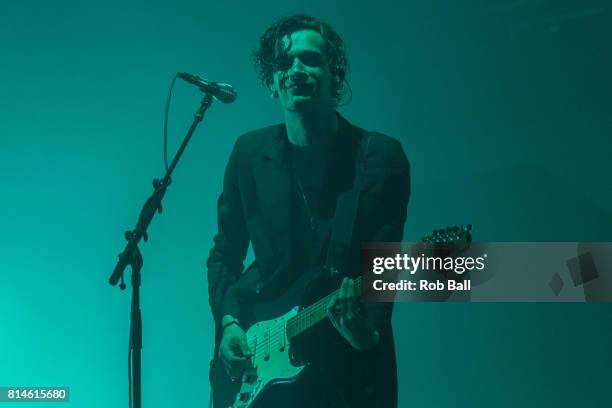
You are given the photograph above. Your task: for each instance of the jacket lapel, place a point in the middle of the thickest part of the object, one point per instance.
(272, 178)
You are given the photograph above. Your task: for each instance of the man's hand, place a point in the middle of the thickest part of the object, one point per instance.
(343, 311)
(234, 350)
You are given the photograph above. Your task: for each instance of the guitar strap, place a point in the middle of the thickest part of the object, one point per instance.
(345, 215)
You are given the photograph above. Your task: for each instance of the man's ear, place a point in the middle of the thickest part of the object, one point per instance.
(273, 91)
(340, 74)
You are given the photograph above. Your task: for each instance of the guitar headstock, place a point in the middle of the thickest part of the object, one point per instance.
(457, 234)
(446, 241)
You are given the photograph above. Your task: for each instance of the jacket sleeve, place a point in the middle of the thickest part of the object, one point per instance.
(390, 222)
(225, 261)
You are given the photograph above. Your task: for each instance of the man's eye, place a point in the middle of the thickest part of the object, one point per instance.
(313, 60)
(284, 63)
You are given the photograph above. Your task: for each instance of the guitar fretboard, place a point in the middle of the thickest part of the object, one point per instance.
(313, 314)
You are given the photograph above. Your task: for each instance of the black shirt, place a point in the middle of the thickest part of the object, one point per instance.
(311, 211)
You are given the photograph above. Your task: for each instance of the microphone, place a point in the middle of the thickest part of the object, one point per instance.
(222, 92)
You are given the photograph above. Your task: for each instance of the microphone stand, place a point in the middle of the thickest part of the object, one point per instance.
(131, 255)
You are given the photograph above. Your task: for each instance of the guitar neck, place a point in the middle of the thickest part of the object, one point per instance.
(313, 314)
(452, 237)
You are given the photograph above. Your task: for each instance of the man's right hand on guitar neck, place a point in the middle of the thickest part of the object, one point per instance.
(233, 349)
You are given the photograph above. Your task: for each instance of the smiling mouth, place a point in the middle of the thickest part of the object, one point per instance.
(301, 90)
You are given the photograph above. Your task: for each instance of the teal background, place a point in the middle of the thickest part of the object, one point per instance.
(502, 107)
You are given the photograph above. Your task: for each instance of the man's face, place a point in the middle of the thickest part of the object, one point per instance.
(302, 76)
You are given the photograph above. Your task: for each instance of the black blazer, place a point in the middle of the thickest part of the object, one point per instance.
(255, 207)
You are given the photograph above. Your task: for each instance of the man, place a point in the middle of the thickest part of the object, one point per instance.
(280, 191)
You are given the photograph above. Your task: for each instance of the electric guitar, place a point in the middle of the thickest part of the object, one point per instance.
(279, 342)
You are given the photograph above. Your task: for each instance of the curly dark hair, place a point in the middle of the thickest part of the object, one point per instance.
(265, 58)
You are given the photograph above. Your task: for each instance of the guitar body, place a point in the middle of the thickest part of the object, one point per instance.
(279, 364)
(317, 359)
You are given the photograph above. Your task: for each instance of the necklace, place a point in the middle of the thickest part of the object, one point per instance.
(312, 221)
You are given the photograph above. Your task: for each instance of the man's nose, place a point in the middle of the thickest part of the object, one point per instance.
(298, 76)
(297, 72)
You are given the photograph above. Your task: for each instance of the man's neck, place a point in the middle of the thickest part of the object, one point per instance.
(311, 132)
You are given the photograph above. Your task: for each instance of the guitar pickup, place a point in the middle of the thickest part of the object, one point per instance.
(245, 393)
(249, 378)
